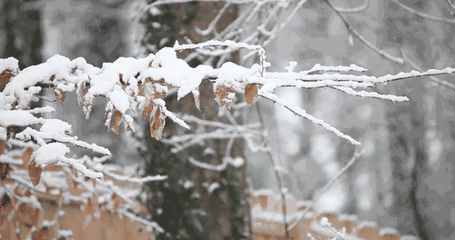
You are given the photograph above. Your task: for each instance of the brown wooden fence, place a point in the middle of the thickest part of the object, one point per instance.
(104, 225)
(268, 222)
(267, 216)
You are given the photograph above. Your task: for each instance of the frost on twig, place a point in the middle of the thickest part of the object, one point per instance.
(434, 79)
(302, 113)
(257, 25)
(214, 130)
(36, 150)
(139, 85)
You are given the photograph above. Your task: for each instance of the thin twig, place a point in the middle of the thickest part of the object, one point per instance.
(278, 176)
(451, 4)
(424, 15)
(436, 80)
(357, 9)
(302, 113)
(328, 185)
(361, 38)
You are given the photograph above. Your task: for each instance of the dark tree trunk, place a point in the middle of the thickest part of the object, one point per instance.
(183, 205)
(96, 30)
(406, 138)
(413, 187)
(20, 25)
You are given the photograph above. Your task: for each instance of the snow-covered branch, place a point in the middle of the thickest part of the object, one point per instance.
(36, 149)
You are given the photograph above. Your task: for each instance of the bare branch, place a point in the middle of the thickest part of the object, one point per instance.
(436, 80)
(425, 15)
(328, 185)
(362, 39)
(302, 113)
(451, 4)
(278, 176)
(360, 8)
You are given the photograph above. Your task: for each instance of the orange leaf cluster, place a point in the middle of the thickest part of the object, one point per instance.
(224, 95)
(5, 77)
(116, 121)
(251, 92)
(156, 119)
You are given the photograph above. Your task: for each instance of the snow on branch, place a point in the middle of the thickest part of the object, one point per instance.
(434, 79)
(302, 113)
(134, 179)
(252, 26)
(321, 68)
(363, 93)
(209, 130)
(215, 43)
(36, 149)
(134, 85)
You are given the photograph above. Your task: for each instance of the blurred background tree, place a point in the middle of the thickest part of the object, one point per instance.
(404, 177)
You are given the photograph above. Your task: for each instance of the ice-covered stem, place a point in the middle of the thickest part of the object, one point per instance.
(278, 177)
(318, 194)
(207, 130)
(139, 85)
(434, 79)
(233, 46)
(302, 113)
(251, 26)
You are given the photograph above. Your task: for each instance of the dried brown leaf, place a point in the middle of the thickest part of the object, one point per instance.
(156, 124)
(5, 77)
(251, 92)
(34, 172)
(223, 95)
(4, 170)
(59, 95)
(147, 110)
(27, 214)
(44, 233)
(141, 88)
(6, 207)
(26, 156)
(117, 201)
(91, 206)
(220, 94)
(2, 147)
(116, 121)
(73, 186)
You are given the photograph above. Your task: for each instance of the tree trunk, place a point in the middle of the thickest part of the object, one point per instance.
(417, 204)
(406, 139)
(20, 23)
(187, 205)
(101, 27)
